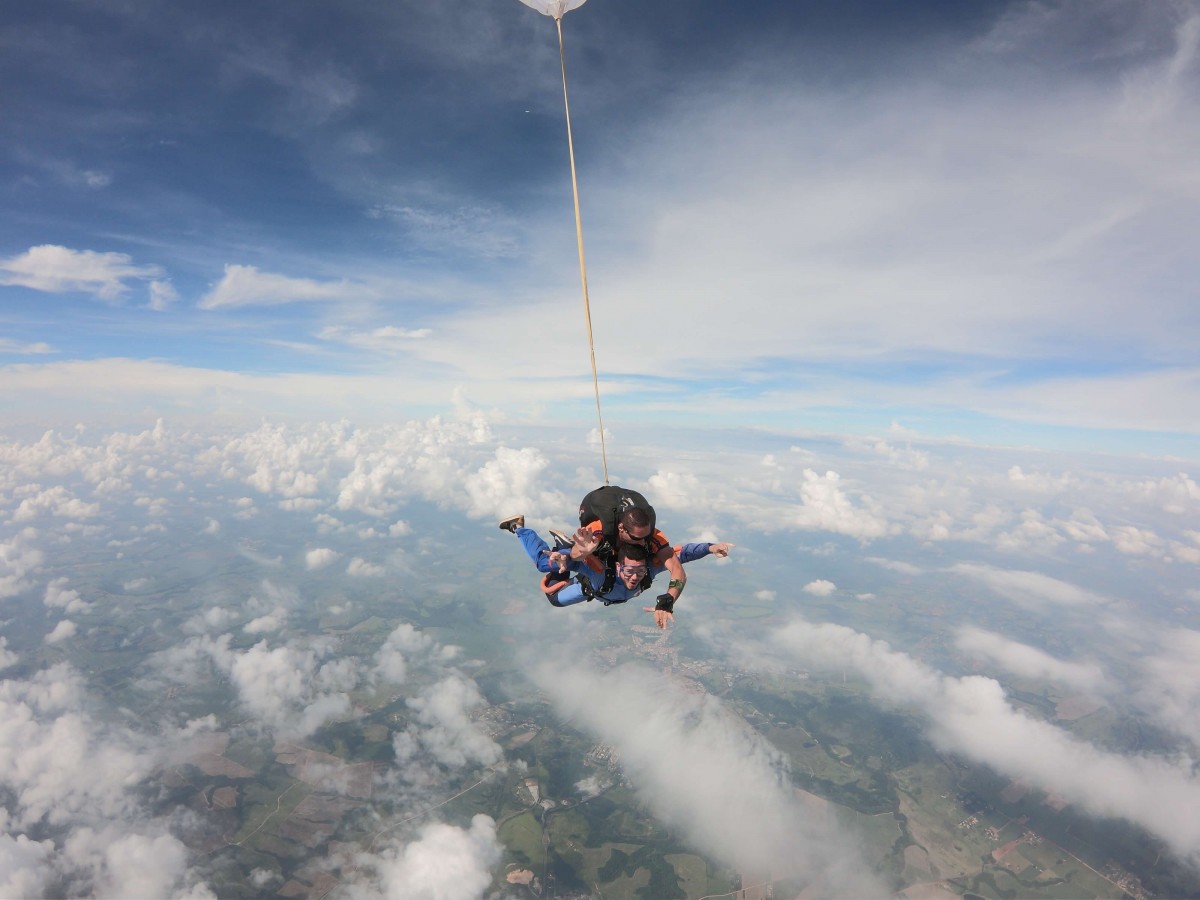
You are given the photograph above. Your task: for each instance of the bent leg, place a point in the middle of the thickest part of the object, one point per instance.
(535, 548)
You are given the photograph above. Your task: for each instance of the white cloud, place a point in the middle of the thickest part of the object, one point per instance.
(513, 481)
(1136, 541)
(825, 506)
(1171, 686)
(897, 565)
(58, 270)
(703, 771)
(450, 735)
(59, 596)
(288, 688)
(56, 501)
(972, 716)
(18, 560)
(387, 338)
(445, 862)
(820, 588)
(403, 642)
(678, 490)
(215, 618)
(128, 864)
(7, 657)
(319, 558)
(54, 759)
(8, 345)
(1029, 589)
(162, 295)
(63, 630)
(247, 286)
(1030, 662)
(901, 457)
(360, 568)
(273, 621)
(25, 865)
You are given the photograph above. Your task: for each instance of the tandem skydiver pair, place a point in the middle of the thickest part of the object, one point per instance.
(613, 556)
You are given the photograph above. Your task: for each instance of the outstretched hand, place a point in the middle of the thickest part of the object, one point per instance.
(721, 550)
(559, 560)
(662, 618)
(586, 540)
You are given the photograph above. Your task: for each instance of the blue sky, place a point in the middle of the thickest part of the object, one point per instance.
(968, 220)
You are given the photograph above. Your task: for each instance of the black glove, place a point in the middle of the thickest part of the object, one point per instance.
(666, 603)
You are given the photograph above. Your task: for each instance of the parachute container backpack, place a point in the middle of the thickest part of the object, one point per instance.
(606, 505)
(556, 9)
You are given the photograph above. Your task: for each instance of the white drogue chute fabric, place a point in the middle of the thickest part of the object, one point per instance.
(554, 8)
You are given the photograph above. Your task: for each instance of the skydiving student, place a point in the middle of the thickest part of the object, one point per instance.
(580, 575)
(612, 515)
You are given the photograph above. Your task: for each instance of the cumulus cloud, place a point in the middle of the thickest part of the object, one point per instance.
(60, 632)
(55, 501)
(512, 481)
(25, 865)
(825, 506)
(404, 642)
(678, 490)
(7, 657)
(360, 568)
(449, 734)
(289, 689)
(272, 621)
(1030, 662)
(703, 771)
(820, 588)
(54, 759)
(59, 596)
(444, 862)
(972, 716)
(130, 864)
(58, 270)
(319, 558)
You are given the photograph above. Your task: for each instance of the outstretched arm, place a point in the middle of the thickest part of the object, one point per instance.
(664, 611)
(692, 552)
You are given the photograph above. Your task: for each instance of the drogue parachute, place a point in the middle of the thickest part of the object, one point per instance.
(556, 9)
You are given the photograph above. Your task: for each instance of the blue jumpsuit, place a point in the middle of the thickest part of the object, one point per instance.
(539, 551)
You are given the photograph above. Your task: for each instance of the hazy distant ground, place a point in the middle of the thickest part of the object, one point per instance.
(915, 632)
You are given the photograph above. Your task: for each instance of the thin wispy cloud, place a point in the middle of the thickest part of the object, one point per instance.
(247, 286)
